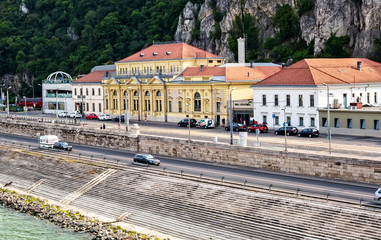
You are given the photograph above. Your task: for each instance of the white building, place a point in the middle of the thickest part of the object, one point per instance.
(88, 91)
(295, 94)
(56, 93)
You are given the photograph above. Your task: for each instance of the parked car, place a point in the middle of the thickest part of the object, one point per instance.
(116, 119)
(236, 127)
(289, 131)
(105, 117)
(184, 122)
(62, 146)
(262, 128)
(377, 195)
(146, 159)
(75, 114)
(63, 114)
(91, 116)
(309, 132)
(205, 123)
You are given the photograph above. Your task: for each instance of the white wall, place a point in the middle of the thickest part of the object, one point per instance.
(89, 98)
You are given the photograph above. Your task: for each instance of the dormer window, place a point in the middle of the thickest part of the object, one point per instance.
(154, 54)
(141, 55)
(168, 53)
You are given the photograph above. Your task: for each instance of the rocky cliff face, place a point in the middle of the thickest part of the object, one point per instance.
(358, 19)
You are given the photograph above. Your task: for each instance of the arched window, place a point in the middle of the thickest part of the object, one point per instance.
(115, 93)
(197, 102)
(147, 94)
(136, 93)
(106, 74)
(158, 93)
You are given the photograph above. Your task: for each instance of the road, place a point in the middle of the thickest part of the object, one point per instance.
(230, 173)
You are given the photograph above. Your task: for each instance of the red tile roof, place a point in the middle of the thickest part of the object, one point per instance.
(168, 51)
(326, 70)
(93, 77)
(232, 73)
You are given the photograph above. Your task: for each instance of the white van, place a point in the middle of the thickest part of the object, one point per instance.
(48, 141)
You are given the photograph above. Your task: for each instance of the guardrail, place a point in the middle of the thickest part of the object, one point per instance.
(202, 177)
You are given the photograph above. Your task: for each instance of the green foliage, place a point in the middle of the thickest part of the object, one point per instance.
(37, 43)
(244, 26)
(304, 6)
(377, 50)
(287, 22)
(335, 47)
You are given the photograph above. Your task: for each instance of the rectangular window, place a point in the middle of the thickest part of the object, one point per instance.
(300, 100)
(100, 107)
(180, 106)
(87, 107)
(99, 91)
(276, 100)
(210, 61)
(264, 100)
(375, 97)
(288, 100)
(288, 121)
(337, 122)
(376, 124)
(93, 107)
(75, 91)
(312, 100)
(301, 121)
(264, 118)
(276, 120)
(87, 92)
(93, 91)
(349, 123)
(106, 104)
(218, 106)
(145, 105)
(324, 122)
(80, 92)
(362, 123)
(219, 61)
(170, 106)
(312, 122)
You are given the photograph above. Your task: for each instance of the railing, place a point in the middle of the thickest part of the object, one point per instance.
(56, 81)
(64, 121)
(60, 95)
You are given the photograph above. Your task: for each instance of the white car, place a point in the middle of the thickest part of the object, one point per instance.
(63, 114)
(377, 195)
(75, 114)
(104, 117)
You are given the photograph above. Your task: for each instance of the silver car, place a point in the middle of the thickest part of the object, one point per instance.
(377, 195)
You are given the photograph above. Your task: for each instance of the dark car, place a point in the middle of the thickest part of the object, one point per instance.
(309, 132)
(184, 122)
(236, 127)
(289, 131)
(262, 128)
(146, 159)
(116, 119)
(62, 146)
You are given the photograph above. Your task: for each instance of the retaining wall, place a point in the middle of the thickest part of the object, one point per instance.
(349, 169)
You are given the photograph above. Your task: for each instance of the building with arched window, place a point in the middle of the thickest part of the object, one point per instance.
(169, 82)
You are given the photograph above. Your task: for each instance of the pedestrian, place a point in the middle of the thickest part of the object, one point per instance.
(104, 126)
(244, 122)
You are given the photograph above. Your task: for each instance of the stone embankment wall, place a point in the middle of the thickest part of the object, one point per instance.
(349, 169)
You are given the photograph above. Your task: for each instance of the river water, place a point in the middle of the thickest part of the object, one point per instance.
(19, 226)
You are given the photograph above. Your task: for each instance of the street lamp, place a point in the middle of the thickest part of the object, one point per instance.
(57, 105)
(25, 108)
(215, 104)
(127, 113)
(285, 129)
(8, 100)
(189, 137)
(231, 117)
(1, 96)
(329, 120)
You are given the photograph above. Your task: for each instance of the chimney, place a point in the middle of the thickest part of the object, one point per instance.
(283, 65)
(251, 64)
(359, 66)
(201, 68)
(241, 50)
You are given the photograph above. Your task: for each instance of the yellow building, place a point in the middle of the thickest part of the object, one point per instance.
(168, 82)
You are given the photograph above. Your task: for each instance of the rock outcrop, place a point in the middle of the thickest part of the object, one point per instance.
(358, 19)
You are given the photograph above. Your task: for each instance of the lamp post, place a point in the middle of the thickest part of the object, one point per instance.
(8, 100)
(42, 94)
(215, 104)
(189, 136)
(25, 108)
(82, 106)
(231, 117)
(127, 113)
(329, 120)
(1, 96)
(57, 105)
(285, 129)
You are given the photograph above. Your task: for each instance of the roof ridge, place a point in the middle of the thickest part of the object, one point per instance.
(327, 74)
